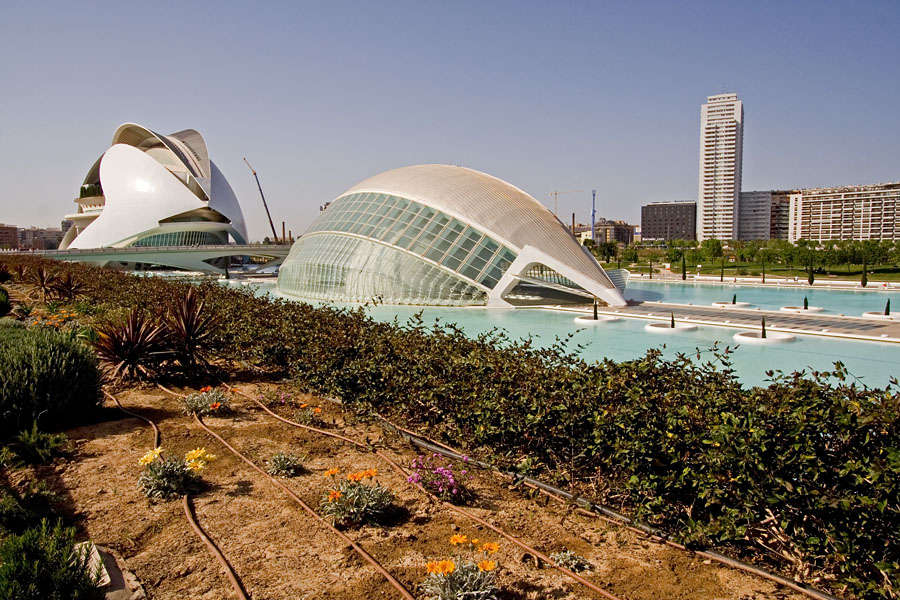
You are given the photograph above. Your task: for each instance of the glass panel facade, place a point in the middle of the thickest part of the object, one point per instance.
(403, 223)
(343, 268)
(182, 238)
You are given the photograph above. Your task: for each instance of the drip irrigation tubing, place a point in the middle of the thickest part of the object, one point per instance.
(399, 586)
(157, 436)
(229, 572)
(597, 510)
(461, 511)
(188, 511)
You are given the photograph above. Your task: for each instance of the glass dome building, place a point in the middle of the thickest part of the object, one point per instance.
(441, 235)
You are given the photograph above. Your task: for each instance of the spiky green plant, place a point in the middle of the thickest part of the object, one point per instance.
(43, 281)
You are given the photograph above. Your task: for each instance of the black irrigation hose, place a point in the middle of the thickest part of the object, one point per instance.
(453, 507)
(613, 515)
(188, 512)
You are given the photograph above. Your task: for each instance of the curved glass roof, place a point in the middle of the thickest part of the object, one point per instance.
(436, 234)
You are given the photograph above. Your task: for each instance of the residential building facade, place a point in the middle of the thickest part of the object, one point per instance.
(755, 216)
(669, 221)
(9, 237)
(721, 148)
(864, 212)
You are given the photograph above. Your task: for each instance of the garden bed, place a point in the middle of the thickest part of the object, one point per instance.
(278, 552)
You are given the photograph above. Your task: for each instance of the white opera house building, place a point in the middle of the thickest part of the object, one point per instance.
(155, 190)
(442, 235)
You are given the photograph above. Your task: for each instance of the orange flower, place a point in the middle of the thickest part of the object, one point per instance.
(444, 567)
(334, 495)
(487, 565)
(490, 547)
(304, 405)
(215, 405)
(331, 472)
(370, 472)
(458, 539)
(355, 477)
(474, 542)
(317, 410)
(205, 389)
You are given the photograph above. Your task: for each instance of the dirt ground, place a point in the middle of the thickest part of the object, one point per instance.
(280, 552)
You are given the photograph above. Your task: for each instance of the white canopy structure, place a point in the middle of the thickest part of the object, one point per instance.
(154, 190)
(439, 234)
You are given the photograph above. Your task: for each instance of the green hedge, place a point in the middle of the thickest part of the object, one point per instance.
(5, 305)
(39, 565)
(45, 376)
(812, 460)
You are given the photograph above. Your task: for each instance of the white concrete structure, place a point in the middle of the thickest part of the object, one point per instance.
(439, 234)
(154, 190)
(863, 212)
(721, 147)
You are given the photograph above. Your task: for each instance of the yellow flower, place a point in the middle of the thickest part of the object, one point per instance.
(487, 565)
(150, 456)
(474, 542)
(334, 495)
(490, 547)
(331, 472)
(458, 539)
(195, 454)
(195, 465)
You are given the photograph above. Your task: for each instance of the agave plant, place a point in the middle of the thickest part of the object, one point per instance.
(43, 281)
(21, 271)
(133, 347)
(68, 287)
(190, 329)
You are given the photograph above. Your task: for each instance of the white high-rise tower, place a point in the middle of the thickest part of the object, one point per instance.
(721, 144)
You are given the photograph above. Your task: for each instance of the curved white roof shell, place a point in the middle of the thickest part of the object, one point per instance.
(157, 190)
(487, 204)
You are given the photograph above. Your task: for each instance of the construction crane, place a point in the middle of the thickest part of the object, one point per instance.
(555, 194)
(266, 206)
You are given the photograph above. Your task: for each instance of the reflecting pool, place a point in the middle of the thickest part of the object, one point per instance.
(872, 362)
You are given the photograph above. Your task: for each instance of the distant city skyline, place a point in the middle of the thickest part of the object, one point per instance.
(547, 96)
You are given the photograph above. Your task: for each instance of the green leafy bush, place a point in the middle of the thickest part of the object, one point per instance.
(351, 503)
(35, 447)
(42, 564)
(46, 377)
(207, 401)
(5, 305)
(571, 561)
(165, 478)
(24, 508)
(286, 465)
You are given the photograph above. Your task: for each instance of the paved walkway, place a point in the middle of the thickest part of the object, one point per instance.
(826, 325)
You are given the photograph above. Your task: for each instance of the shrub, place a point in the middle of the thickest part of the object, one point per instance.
(36, 447)
(207, 401)
(286, 465)
(165, 478)
(5, 305)
(132, 347)
(436, 475)
(43, 564)
(43, 281)
(571, 561)
(351, 503)
(46, 377)
(308, 415)
(20, 510)
(470, 574)
(5, 275)
(68, 287)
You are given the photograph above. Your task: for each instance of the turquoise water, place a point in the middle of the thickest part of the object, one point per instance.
(848, 302)
(872, 362)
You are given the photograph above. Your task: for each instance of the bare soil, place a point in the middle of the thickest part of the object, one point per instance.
(280, 552)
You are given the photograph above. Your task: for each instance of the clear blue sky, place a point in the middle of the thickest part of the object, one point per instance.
(546, 95)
